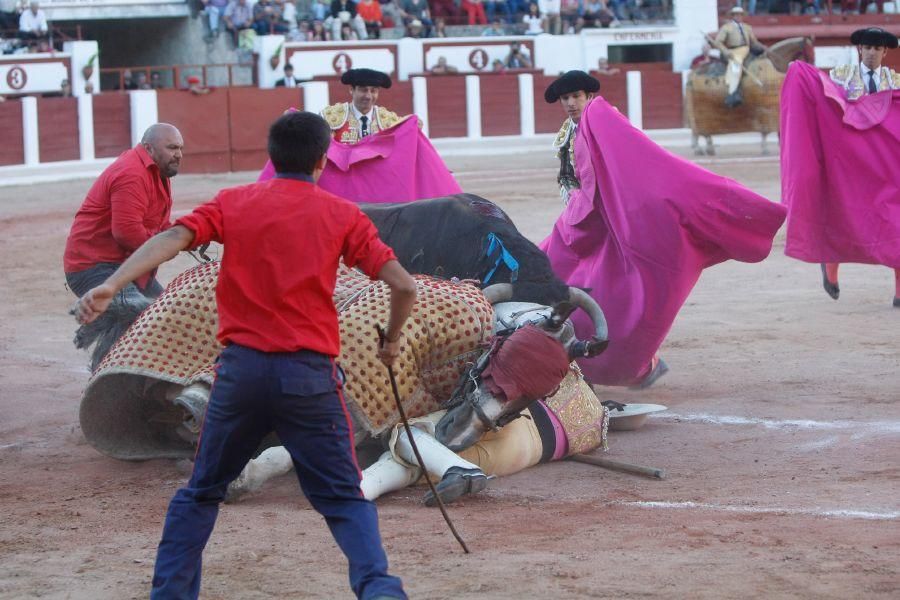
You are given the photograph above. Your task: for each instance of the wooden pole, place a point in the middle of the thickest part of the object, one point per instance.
(615, 465)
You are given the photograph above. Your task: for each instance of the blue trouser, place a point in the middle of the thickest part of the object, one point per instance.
(298, 396)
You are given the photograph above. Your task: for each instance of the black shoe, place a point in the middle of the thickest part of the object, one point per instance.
(896, 301)
(457, 482)
(658, 371)
(832, 289)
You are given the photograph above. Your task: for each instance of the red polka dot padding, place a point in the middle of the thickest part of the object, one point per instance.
(175, 340)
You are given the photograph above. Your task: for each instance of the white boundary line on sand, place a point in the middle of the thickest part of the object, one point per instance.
(874, 426)
(869, 515)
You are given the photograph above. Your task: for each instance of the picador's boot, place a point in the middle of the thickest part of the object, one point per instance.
(831, 289)
(458, 476)
(387, 475)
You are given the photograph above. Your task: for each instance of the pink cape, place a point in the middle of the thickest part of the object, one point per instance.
(839, 172)
(640, 230)
(398, 164)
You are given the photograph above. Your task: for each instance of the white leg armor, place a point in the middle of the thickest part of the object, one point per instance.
(271, 463)
(387, 475)
(437, 457)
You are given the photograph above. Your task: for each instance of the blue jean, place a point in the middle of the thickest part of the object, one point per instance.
(297, 395)
(495, 6)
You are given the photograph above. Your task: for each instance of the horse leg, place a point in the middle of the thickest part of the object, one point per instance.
(458, 476)
(710, 148)
(765, 145)
(387, 475)
(695, 144)
(271, 463)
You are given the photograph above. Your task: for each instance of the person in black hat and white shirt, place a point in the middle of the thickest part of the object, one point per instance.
(361, 117)
(573, 90)
(288, 80)
(868, 76)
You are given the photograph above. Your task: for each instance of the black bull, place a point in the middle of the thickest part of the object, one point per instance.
(451, 237)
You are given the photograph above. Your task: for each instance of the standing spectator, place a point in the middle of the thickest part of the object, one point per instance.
(142, 83)
(343, 12)
(418, 10)
(128, 80)
(517, 57)
(370, 11)
(497, 66)
(390, 10)
(33, 23)
(493, 7)
(214, 10)
(574, 14)
(534, 21)
(238, 16)
(475, 11)
(550, 9)
(603, 67)
(496, 29)
(288, 80)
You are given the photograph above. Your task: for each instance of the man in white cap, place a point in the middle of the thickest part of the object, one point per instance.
(734, 40)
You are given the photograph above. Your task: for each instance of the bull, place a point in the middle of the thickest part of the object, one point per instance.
(468, 237)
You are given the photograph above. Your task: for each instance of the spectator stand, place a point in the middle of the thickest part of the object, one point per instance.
(176, 76)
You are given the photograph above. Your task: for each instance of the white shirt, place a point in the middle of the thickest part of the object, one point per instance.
(864, 73)
(550, 7)
(30, 22)
(359, 116)
(535, 24)
(290, 82)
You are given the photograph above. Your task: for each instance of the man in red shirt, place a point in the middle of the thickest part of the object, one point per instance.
(129, 203)
(282, 241)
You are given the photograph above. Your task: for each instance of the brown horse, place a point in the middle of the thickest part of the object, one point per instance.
(761, 85)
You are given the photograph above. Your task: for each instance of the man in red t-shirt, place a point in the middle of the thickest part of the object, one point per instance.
(129, 203)
(283, 239)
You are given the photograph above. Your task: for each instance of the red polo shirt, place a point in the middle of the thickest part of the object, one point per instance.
(283, 239)
(127, 205)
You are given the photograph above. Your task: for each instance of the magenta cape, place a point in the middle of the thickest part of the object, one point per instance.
(394, 165)
(640, 230)
(840, 177)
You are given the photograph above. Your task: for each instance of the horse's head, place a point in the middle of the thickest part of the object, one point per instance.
(527, 361)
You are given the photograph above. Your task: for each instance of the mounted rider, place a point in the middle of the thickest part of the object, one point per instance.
(361, 117)
(573, 90)
(735, 39)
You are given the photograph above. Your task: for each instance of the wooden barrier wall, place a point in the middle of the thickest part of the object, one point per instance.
(12, 150)
(112, 124)
(662, 103)
(58, 129)
(500, 104)
(447, 106)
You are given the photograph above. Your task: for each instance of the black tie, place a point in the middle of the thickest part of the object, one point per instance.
(364, 129)
(872, 87)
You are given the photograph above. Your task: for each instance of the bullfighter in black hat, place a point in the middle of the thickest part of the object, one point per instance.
(361, 117)
(868, 76)
(573, 90)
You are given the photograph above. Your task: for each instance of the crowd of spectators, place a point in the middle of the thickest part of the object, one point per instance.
(324, 20)
(799, 7)
(23, 27)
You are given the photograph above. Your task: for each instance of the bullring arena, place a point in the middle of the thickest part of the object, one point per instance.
(780, 445)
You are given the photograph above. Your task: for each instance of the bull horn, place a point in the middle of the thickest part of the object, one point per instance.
(499, 292)
(583, 300)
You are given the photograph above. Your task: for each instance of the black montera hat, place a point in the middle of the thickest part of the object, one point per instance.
(569, 82)
(873, 36)
(366, 77)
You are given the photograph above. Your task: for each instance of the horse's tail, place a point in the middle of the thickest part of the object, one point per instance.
(106, 330)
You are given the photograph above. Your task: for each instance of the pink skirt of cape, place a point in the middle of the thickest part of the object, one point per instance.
(394, 165)
(840, 175)
(638, 233)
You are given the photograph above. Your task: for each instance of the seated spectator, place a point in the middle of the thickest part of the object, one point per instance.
(304, 31)
(572, 13)
(214, 11)
(603, 67)
(238, 16)
(33, 22)
(440, 28)
(370, 11)
(318, 33)
(390, 13)
(195, 87)
(444, 8)
(654, 9)
(320, 10)
(142, 82)
(343, 12)
(156, 81)
(128, 80)
(415, 29)
(534, 21)
(347, 33)
(517, 57)
(597, 14)
(475, 11)
(552, 19)
(496, 7)
(442, 68)
(417, 10)
(267, 18)
(496, 29)
(497, 66)
(288, 80)
(288, 11)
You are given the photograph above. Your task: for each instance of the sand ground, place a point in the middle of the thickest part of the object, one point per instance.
(782, 447)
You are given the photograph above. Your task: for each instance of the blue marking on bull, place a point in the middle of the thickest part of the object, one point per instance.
(494, 243)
